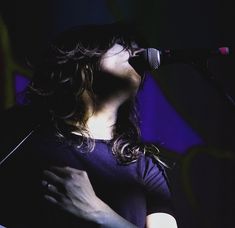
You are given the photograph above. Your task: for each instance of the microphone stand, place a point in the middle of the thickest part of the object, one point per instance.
(202, 67)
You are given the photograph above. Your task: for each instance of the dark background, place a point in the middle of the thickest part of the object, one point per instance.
(203, 180)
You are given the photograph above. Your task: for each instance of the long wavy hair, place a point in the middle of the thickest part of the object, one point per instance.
(67, 70)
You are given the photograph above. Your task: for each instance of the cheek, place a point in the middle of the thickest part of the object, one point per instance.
(116, 63)
(120, 69)
(108, 65)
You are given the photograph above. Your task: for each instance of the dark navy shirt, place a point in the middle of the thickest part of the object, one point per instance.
(133, 191)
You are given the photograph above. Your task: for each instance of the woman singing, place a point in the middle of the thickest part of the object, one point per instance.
(85, 165)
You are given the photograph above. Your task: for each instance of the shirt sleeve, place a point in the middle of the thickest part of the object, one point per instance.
(156, 185)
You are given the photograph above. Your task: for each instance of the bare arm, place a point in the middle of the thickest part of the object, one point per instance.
(71, 190)
(160, 220)
(113, 220)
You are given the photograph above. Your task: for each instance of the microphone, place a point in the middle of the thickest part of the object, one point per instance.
(151, 58)
(190, 55)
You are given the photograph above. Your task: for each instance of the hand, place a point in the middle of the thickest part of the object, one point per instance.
(72, 191)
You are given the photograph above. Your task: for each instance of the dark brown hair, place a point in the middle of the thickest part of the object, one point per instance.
(68, 69)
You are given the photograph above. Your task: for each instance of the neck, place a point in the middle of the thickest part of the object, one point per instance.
(101, 126)
(101, 120)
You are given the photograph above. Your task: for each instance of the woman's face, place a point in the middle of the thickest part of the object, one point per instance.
(115, 63)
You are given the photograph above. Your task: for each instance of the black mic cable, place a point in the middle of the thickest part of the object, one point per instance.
(10, 154)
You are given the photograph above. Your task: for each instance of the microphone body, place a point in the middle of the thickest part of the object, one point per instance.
(168, 56)
(150, 58)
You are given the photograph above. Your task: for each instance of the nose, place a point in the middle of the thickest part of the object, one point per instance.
(137, 52)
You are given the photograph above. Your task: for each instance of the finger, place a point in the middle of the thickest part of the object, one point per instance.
(53, 192)
(49, 187)
(61, 171)
(51, 199)
(58, 202)
(65, 171)
(52, 177)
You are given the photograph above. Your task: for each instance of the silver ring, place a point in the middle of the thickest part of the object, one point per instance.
(48, 186)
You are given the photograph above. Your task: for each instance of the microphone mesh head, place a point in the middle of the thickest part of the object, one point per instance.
(153, 58)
